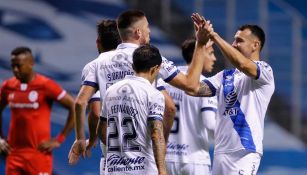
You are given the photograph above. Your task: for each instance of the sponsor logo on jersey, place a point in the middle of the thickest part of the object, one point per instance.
(116, 163)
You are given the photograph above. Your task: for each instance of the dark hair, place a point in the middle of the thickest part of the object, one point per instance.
(108, 34)
(20, 50)
(257, 31)
(187, 49)
(126, 19)
(146, 57)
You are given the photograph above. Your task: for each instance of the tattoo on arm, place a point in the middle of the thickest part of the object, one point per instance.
(158, 143)
(204, 90)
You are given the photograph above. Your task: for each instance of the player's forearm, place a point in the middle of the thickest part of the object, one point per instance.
(203, 91)
(80, 108)
(69, 125)
(195, 68)
(235, 57)
(158, 143)
(92, 124)
(169, 115)
(102, 131)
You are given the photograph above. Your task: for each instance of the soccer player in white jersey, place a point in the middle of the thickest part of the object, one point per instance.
(107, 39)
(132, 119)
(243, 94)
(188, 145)
(113, 66)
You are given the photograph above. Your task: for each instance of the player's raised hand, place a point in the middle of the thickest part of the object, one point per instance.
(200, 25)
(77, 149)
(4, 147)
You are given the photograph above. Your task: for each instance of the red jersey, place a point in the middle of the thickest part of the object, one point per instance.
(30, 106)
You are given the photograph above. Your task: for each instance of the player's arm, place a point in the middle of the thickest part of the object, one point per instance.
(204, 90)
(79, 146)
(102, 130)
(158, 143)
(169, 114)
(93, 118)
(85, 93)
(190, 81)
(67, 102)
(4, 146)
(246, 65)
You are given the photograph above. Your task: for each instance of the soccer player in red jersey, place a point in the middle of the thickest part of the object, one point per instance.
(29, 96)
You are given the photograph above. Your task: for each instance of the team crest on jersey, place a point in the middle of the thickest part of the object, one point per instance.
(33, 96)
(120, 57)
(231, 98)
(125, 89)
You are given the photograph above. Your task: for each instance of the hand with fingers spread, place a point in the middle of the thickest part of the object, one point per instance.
(77, 149)
(5, 148)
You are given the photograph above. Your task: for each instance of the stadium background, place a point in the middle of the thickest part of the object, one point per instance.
(62, 35)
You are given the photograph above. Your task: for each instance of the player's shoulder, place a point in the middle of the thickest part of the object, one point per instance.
(11, 82)
(42, 80)
(264, 65)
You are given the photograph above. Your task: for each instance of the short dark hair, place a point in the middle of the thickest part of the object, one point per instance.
(21, 50)
(126, 19)
(146, 57)
(108, 34)
(187, 49)
(257, 31)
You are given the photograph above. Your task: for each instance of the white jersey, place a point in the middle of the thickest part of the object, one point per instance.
(188, 141)
(85, 73)
(129, 105)
(112, 66)
(243, 102)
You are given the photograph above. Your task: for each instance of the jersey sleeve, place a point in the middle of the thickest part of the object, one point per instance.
(54, 91)
(89, 76)
(160, 84)
(156, 106)
(264, 73)
(168, 70)
(95, 97)
(208, 111)
(214, 82)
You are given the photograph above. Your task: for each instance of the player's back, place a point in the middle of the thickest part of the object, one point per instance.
(128, 105)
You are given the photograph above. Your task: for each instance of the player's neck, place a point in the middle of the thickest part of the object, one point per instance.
(255, 56)
(133, 41)
(146, 76)
(28, 78)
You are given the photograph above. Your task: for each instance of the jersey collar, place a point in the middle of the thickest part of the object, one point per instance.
(127, 45)
(138, 78)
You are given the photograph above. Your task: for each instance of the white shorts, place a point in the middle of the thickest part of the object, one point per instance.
(102, 166)
(177, 168)
(237, 163)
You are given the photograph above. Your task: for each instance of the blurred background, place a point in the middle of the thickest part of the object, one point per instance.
(62, 34)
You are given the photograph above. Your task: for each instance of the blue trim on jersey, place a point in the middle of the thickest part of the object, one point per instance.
(155, 117)
(161, 88)
(212, 88)
(172, 76)
(94, 99)
(234, 111)
(89, 83)
(258, 71)
(208, 109)
(104, 119)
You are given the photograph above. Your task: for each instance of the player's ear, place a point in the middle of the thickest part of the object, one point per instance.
(256, 45)
(138, 32)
